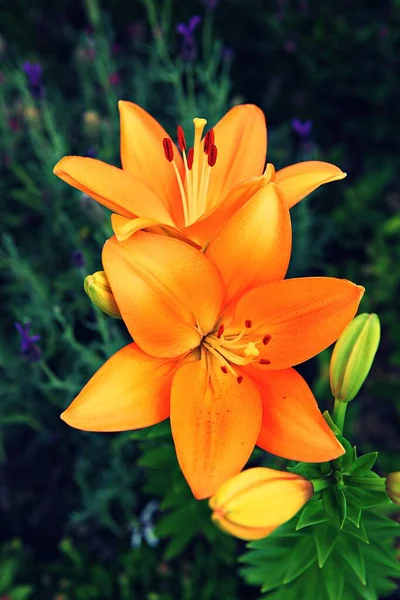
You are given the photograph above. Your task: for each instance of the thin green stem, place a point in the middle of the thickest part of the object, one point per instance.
(339, 413)
(319, 484)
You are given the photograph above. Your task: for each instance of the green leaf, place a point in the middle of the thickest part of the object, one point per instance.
(331, 423)
(300, 560)
(354, 515)
(333, 579)
(346, 459)
(334, 503)
(358, 532)
(21, 592)
(363, 498)
(311, 514)
(362, 465)
(307, 470)
(325, 537)
(352, 556)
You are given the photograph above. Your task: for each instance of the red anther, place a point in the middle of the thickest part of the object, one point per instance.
(189, 158)
(239, 379)
(212, 155)
(168, 149)
(224, 369)
(264, 361)
(248, 323)
(181, 139)
(266, 339)
(208, 140)
(220, 330)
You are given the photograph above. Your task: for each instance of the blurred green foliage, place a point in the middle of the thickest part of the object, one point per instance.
(73, 498)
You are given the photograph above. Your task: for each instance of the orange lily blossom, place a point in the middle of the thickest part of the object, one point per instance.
(191, 192)
(216, 335)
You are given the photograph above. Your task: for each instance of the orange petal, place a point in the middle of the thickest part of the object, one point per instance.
(124, 228)
(112, 187)
(241, 532)
(297, 181)
(241, 139)
(293, 426)
(130, 391)
(202, 230)
(168, 292)
(215, 423)
(262, 497)
(253, 246)
(302, 316)
(142, 156)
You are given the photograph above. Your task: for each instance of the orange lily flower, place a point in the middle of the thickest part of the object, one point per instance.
(216, 335)
(193, 192)
(252, 504)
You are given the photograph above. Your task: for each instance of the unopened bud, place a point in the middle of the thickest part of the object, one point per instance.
(393, 487)
(99, 291)
(353, 356)
(252, 504)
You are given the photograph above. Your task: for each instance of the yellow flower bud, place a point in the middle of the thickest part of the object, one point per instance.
(393, 487)
(252, 504)
(99, 291)
(353, 356)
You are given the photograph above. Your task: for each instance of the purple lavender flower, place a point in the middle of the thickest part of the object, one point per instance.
(189, 46)
(78, 259)
(27, 341)
(33, 72)
(302, 128)
(227, 54)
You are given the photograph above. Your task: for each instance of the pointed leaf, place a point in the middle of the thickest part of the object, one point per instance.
(357, 532)
(363, 498)
(334, 503)
(325, 537)
(362, 465)
(307, 470)
(311, 514)
(346, 459)
(303, 556)
(354, 515)
(352, 556)
(333, 579)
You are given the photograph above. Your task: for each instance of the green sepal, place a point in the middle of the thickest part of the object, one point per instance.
(354, 515)
(325, 538)
(335, 505)
(332, 425)
(353, 557)
(363, 498)
(362, 465)
(311, 514)
(307, 470)
(325, 468)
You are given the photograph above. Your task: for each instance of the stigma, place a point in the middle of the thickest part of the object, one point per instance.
(198, 162)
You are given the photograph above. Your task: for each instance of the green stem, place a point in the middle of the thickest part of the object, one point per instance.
(339, 413)
(319, 484)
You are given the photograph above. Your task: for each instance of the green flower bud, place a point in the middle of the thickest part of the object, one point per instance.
(353, 356)
(99, 291)
(393, 487)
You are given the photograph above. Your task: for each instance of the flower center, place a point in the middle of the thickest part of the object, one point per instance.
(198, 163)
(233, 349)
